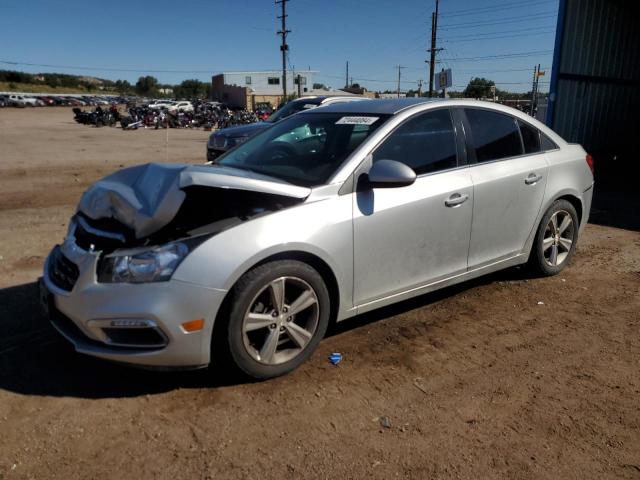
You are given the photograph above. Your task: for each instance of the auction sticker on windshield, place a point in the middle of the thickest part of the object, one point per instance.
(357, 120)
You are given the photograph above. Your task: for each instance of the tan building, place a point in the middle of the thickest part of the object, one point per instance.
(246, 89)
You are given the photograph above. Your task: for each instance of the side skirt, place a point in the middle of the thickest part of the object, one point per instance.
(430, 287)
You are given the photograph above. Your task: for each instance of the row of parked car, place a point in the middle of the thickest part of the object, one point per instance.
(22, 100)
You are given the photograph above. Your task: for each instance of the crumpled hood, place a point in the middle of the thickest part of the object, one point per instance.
(146, 198)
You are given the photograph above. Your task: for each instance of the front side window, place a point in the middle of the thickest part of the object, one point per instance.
(273, 81)
(304, 149)
(494, 135)
(530, 137)
(426, 143)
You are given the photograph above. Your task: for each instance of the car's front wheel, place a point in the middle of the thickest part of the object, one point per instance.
(279, 313)
(556, 239)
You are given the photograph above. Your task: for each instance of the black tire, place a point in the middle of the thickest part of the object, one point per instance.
(540, 262)
(231, 338)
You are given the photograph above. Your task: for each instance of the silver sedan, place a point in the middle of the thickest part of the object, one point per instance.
(329, 213)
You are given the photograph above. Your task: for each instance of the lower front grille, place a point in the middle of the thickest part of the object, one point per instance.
(75, 335)
(62, 271)
(135, 337)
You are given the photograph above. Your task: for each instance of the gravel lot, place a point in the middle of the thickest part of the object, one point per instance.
(477, 381)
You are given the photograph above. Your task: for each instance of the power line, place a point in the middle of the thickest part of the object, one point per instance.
(497, 22)
(476, 39)
(377, 80)
(503, 6)
(103, 69)
(497, 32)
(499, 71)
(498, 57)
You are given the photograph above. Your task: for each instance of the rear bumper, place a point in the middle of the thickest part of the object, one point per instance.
(80, 313)
(587, 198)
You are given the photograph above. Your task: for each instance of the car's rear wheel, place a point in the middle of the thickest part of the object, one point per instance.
(278, 315)
(556, 239)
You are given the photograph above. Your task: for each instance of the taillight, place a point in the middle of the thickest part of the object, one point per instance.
(590, 162)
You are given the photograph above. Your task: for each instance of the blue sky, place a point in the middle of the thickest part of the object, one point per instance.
(196, 38)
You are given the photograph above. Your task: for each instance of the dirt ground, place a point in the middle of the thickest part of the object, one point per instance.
(503, 377)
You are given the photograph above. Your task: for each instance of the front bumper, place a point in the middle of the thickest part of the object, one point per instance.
(79, 313)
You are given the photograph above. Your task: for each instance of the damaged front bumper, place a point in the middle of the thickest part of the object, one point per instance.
(132, 323)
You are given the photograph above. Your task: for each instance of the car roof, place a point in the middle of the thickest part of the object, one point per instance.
(318, 99)
(380, 106)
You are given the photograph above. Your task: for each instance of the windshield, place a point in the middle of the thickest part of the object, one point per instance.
(305, 149)
(291, 108)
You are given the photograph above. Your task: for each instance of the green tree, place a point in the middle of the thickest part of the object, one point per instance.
(454, 94)
(190, 89)
(479, 88)
(147, 86)
(122, 87)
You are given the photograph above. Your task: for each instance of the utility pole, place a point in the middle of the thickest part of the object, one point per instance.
(299, 85)
(537, 84)
(433, 49)
(420, 88)
(284, 48)
(533, 89)
(400, 67)
(346, 80)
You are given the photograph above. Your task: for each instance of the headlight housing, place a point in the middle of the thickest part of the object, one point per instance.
(233, 141)
(142, 265)
(216, 140)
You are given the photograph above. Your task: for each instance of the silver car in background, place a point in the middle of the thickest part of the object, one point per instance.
(327, 214)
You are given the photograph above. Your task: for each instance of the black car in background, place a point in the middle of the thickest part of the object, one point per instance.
(226, 138)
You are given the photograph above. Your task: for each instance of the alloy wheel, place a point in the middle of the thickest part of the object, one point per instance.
(281, 320)
(558, 238)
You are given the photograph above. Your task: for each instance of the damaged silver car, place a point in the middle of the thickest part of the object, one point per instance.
(330, 213)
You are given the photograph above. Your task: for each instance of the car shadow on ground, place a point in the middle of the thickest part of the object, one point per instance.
(36, 360)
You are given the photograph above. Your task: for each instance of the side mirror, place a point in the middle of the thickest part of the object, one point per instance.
(390, 173)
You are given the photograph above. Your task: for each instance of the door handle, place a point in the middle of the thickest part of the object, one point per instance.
(532, 179)
(456, 199)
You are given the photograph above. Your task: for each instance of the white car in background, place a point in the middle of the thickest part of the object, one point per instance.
(160, 104)
(22, 101)
(181, 107)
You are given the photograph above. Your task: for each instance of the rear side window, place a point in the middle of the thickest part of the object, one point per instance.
(494, 135)
(530, 137)
(547, 143)
(426, 143)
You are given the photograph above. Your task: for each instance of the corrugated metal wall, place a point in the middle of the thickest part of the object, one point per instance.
(596, 89)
